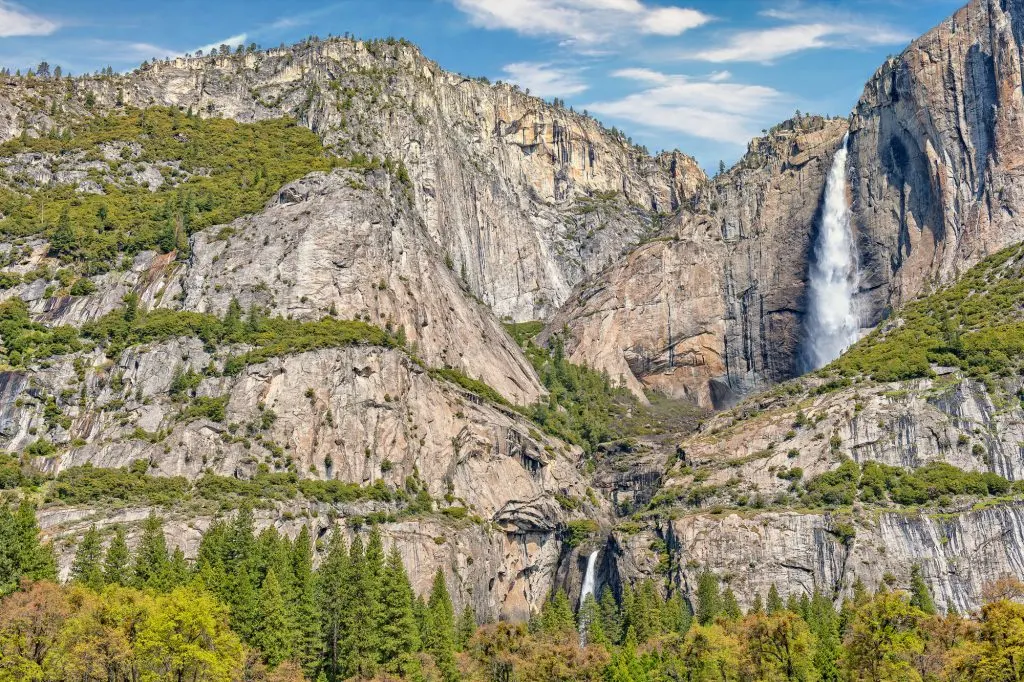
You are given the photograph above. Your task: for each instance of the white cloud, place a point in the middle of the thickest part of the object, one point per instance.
(769, 44)
(583, 22)
(233, 41)
(671, 21)
(809, 27)
(645, 75)
(15, 21)
(707, 108)
(544, 79)
(719, 76)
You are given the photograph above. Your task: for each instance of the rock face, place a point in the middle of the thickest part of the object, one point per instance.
(711, 308)
(936, 154)
(524, 197)
(907, 424)
(505, 576)
(799, 553)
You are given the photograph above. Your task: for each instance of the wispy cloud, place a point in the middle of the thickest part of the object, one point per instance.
(233, 41)
(16, 21)
(708, 107)
(810, 27)
(581, 22)
(544, 79)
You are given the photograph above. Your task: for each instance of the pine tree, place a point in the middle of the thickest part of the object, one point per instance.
(400, 636)
(21, 553)
(611, 618)
(233, 320)
(63, 240)
(37, 560)
(421, 612)
(331, 600)
(177, 569)
(87, 568)
(556, 617)
(774, 600)
(115, 563)
(304, 610)
(730, 607)
(793, 603)
(151, 569)
(757, 608)
(273, 634)
(363, 613)
(860, 593)
(466, 627)
(441, 628)
(805, 606)
(709, 603)
(920, 596)
(677, 615)
(824, 625)
(590, 623)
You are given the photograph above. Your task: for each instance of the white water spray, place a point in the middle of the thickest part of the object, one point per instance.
(832, 324)
(589, 584)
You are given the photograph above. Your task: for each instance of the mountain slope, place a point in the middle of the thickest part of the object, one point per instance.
(524, 197)
(906, 450)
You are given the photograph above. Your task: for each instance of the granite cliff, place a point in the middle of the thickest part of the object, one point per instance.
(442, 206)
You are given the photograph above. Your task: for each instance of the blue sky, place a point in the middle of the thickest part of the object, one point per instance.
(699, 75)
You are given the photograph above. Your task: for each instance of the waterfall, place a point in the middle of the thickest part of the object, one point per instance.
(589, 580)
(832, 324)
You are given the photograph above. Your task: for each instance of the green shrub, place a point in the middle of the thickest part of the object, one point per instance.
(578, 532)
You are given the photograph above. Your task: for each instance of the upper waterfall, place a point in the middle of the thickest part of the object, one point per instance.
(831, 324)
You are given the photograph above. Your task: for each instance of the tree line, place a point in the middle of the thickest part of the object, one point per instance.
(251, 607)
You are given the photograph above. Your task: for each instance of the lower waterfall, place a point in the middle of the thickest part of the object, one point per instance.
(589, 584)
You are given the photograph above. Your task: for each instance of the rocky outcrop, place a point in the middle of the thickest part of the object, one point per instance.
(711, 308)
(500, 575)
(798, 552)
(357, 414)
(935, 151)
(526, 198)
(954, 420)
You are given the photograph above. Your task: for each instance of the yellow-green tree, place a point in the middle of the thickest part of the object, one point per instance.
(884, 638)
(998, 653)
(777, 647)
(710, 654)
(187, 638)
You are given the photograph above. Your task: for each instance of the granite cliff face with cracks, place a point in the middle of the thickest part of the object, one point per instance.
(526, 198)
(711, 307)
(799, 552)
(500, 575)
(746, 527)
(936, 150)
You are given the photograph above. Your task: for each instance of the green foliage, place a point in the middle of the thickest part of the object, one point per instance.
(87, 567)
(440, 631)
(523, 332)
(22, 553)
(87, 484)
(920, 595)
(472, 385)
(578, 532)
(25, 341)
(976, 325)
(582, 407)
(709, 599)
(215, 170)
(116, 561)
(877, 483)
